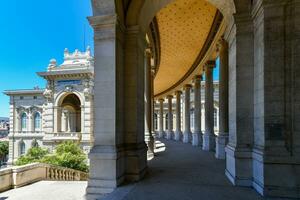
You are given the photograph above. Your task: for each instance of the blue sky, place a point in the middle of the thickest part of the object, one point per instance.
(33, 32)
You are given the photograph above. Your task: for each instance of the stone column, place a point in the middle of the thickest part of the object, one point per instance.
(107, 156)
(153, 135)
(197, 135)
(148, 105)
(170, 132)
(161, 132)
(222, 138)
(209, 136)
(178, 132)
(187, 114)
(239, 148)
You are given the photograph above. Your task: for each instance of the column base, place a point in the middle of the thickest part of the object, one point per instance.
(239, 165)
(161, 134)
(106, 170)
(221, 142)
(191, 137)
(136, 161)
(276, 173)
(151, 146)
(208, 142)
(197, 139)
(186, 138)
(170, 135)
(178, 136)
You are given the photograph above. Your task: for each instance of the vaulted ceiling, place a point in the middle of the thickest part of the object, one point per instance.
(184, 26)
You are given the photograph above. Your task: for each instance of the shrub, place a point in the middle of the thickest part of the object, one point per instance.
(3, 149)
(34, 154)
(67, 154)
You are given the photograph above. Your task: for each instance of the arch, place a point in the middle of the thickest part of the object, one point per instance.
(142, 12)
(60, 97)
(68, 112)
(22, 148)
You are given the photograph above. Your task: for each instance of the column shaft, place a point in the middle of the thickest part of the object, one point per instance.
(222, 138)
(208, 137)
(148, 104)
(170, 132)
(161, 119)
(187, 129)
(197, 135)
(178, 133)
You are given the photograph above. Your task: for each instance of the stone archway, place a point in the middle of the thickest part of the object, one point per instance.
(69, 113)
(120, 29)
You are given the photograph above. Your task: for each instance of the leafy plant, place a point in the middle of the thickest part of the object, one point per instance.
(67, 154)
(3, 149)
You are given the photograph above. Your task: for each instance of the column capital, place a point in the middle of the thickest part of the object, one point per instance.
(170, 96)
(198, 78)
(179, 92)
(186, 86)
(148, 53)
(210, 64)
(161, 100)
(220, 44)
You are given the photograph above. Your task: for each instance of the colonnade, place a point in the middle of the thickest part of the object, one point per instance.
(208, 140)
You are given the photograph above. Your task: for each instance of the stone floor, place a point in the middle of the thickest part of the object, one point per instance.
(179, 171)
(47, 190)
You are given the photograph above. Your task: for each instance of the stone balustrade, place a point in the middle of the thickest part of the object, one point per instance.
(19, 176)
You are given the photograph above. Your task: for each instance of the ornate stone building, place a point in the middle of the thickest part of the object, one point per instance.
(63, 111)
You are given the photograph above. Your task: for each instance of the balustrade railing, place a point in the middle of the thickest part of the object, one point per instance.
(14, 177)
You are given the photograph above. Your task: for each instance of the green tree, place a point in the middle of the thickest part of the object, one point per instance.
(70, 155)
(3, 149)
(67, 154)
(34, 154)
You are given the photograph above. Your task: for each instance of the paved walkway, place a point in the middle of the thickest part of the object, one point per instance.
(178, 172)
(47, 190)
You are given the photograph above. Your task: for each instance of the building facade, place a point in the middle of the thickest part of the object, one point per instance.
(60, 112)
(4, 127)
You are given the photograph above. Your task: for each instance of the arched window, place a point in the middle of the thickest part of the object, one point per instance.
(155, 121)
(37, 121)
(215, 118)
(23, 121)
(192, 117)
(22, 148)
(166, 121)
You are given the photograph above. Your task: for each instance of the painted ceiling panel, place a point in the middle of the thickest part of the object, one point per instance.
(183, 26)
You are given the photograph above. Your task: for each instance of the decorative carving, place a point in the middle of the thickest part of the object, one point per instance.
(52, 64)
(88, 88)
(48, 93)
(69, 88)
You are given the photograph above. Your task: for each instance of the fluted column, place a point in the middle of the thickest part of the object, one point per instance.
(197, 135)
(187, 123)
(178, 132)
(148, 105)
(209, 137)
(222, 138)
(170, 132)
(161, 118)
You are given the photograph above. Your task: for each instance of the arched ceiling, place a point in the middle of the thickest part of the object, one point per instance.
(184, 26)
